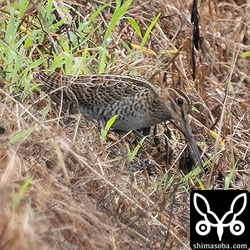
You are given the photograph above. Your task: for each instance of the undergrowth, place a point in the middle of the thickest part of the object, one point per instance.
(67, 184)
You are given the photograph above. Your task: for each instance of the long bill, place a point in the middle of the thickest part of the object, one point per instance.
(186, 129)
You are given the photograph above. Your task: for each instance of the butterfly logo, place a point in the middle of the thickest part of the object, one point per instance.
(203, 227)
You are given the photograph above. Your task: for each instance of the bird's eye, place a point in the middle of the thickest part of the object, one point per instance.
(179, 101)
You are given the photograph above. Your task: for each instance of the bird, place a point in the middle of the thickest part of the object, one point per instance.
(137, 102)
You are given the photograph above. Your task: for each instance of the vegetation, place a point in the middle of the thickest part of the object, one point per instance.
(66, 184)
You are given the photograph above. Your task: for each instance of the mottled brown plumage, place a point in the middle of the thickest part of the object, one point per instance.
(137, 102)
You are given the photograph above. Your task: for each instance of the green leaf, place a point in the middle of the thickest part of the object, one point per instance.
(117, 15)
(118, 4)
(168, 181)
(20, 135)
(17, 198)
(202, 187)
(57, 61)
(49, 9)
(105, 131)
(245, 54)
(126, 46)
(195, 109)
(135, 26)
(128, 149)
(132, 155)
(229, 178)
(22, 8)
(151, 26)
(96, 13)
(104, 54)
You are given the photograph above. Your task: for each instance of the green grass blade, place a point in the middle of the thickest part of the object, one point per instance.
(17, 198)
(22, 8)
(126, 46)
(151, 26)
(202, 187)
(57, 61)
(245, 54)
(229, 178)
(20, 135)
(105, 131)
(118, 4)
(132, 155)
(117, 15)
(96, 13)
(103, 59)
(128, 149)
(135, 26)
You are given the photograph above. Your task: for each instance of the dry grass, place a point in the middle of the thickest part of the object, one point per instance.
(84, 195)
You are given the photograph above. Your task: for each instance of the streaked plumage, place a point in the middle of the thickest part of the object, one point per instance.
(138, 103)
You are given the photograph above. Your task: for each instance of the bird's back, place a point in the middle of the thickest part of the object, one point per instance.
(102, 96)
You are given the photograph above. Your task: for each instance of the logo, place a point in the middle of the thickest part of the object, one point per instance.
(219, 218)
(203, 227)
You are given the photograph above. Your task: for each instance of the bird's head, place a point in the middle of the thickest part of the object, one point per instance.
(179, 106)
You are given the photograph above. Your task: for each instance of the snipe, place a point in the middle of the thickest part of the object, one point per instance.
(137, 102)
